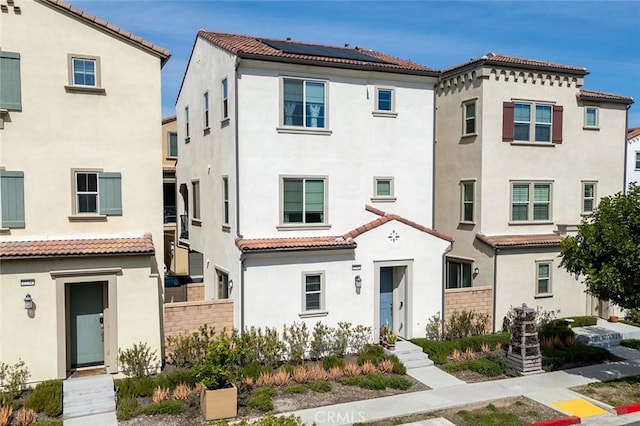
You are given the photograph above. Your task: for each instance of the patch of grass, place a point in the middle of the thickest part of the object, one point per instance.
(297, 388)
(48, 422)
(261, 399)
(438, 351)
(268, 420)
(481, 365)
(46, 398)
(321, 386)
(492, 417)
(127, 408)
(579, 321)
(554, 359)
(172, 407)
(615, 392)
(377, 382)
(631, 343)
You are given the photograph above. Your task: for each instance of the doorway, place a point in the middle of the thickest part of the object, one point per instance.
(86, 319)
(392, 298)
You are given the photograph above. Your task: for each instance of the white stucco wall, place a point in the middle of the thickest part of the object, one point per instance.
(632, 174)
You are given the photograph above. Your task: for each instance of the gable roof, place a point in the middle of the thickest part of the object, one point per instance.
(514, 62)
(633, 133)
(75, 247)
(598, 96)
(345, 241)
(88, 18)
(519, 241)
(251, 47)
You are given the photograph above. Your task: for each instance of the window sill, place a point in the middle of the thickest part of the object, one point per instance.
(388, 114)
(196, 222)
(5, 230)
(543, 296)
(206, 131)
(383, 199)
(304, 131)
(224, 122)
(302, 227)
(313, 314)
(467, 222)
(87, 90)
(531, 222)
(544, 144)
(469, 135)
(187, 140)
(171, 158)
(226, 228)
(596, 128)
(88, 218)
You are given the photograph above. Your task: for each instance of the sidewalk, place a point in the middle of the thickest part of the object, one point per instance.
(447, 391)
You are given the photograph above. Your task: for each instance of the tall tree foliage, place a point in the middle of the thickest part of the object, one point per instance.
(606, 250)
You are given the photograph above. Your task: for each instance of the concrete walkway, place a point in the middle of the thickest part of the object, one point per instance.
(447, 391)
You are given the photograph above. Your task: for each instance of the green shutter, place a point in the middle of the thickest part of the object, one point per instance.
(314, 196)
(12, 199)
(10, 95)
(110, 193)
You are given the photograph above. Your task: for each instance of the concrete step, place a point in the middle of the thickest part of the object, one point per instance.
(89, 409)
(412, 356)
(103, 419)
(87, 396)
(417, 363)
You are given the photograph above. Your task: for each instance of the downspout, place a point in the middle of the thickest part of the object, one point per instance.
(237, 203)
(496, 251)
(444, 276)
(242, 258)
(433, 162)
(626, 148)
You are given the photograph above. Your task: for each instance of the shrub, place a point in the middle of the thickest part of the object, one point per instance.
(631, 343)
(375, 350)
(13, 377)
(351, 369)
(46, 398)
(268, 420)
(295, 339)
(219, 367)
(395, 382)
(633, 316)
(261, 399)
(335, 373)
(331, 361)
(127, 408)
(258, 346)
(138, 361)
(48, 422)
(363, 358)
(281, 378)
(435, 328)
(297, 388)
(368, 368)
(160, 394)
(464, 324)
(300, 374)
(439, 351)
(24, 417)
(574, 356)
(483, 366)
(180, 376)
(321, 386)
(321, 338)
(377, 382)
(360, 338)
(5, 414)
(398, 366)
(317, 373)
(579, 321)
(253, 370)
(189, 350)
(165, 407)
(386, 366)
(500, 357)
(182, 392)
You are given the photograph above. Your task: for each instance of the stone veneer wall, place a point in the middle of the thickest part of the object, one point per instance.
(195, 291)
(477, 299)
(187, 317)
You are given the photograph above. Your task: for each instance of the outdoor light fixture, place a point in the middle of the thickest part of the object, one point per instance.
(230, 285)
(358, 283)
(28, 302)
(476, 271)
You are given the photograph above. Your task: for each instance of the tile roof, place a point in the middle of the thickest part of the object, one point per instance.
(113, 29)
(515, 241)
(168, 119)
(253, 48)
(330, 242)
(596, 95)
(73, 247)
(633, 133)
(515, 62)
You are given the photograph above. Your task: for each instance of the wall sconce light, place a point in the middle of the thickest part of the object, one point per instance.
(230, 285)
(476, 271)
(358, 281)
(28, 302)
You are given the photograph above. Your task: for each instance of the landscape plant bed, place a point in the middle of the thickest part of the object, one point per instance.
(616, 392)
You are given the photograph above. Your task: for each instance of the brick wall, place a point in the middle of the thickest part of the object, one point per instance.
(187, 317)
(477, 299)
(195, 291)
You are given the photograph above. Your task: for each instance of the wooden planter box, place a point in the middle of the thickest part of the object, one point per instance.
(219, 404)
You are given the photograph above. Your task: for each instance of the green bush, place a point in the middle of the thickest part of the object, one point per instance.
(47, 422)
(363, 358)
(46, 398)
(183, 375)
(377, 381)
(132, 387)
(127, 408)
(579, 321)
(398, 366)
(376, 350)
(465, 324)
(331, 361)
(268, 420)
(14, 377)
(172, 407)
(395, 382)
(253, 370)
(219, 367)
(438, 351)
(295, 388)
(633, 316)
(482, 366)
(138, 361)
(321, 386)
(261, 399)
(553, 359)
(189, 350)
(631, 343)
(499, 356)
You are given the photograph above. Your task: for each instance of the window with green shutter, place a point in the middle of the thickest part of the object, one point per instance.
(303, 201)
(110, 193)
(12, 199)
(10, 91)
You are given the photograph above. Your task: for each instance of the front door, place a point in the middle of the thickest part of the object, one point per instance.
(386, 296)
(86, 322)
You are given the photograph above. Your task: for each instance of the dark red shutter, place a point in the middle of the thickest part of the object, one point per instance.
(556, 133)
(507, 121)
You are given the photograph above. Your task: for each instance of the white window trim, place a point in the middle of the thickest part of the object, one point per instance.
(196, 202)
(226, 213)
(283, 128)
(583, 198)
(79, 88)
(75, 215)
(465, 118)
(532, 123)
(531, 203)
(282, 226)
(392, 113)
(169, 133)
(636, 161)
(305, 313)
(597, 125)
(462, 201)
(383, 198)
(549, 293)
(205, 116)
(222, 271)
(187, 133)
(224, 117)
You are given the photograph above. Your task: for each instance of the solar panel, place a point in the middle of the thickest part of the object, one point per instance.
(324, 51)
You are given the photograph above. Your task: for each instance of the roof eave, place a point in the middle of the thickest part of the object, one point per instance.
(63, 256)
(490, 62)
(589, 98)
(297, 249)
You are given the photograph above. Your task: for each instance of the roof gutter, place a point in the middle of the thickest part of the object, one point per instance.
(298, 249)
(480, 64)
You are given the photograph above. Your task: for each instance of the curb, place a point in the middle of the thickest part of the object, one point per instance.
(627, 409)
(562, 421)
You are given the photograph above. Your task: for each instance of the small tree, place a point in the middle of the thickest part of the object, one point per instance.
(606, 250)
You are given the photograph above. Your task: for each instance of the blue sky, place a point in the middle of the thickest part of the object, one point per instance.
(602, 36)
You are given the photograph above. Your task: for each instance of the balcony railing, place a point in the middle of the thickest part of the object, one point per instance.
(170, 214)
(184, 227)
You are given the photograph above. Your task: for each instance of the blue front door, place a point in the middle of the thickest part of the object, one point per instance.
(86, 306)
(386, 296)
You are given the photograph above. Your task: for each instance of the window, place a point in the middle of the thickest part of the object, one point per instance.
(313, 291)
(97, 193)
(10, 93)
(383, 189)
(470, 118)
(304, 103)
(186, 122)
(84, 72)
(532, 122)
(196, 265)
(467, 200)
(173, 144)
(384, 100)
(225, 100)
(591, 117)
(543, 278)
(588, 197)
(303, 200)
(225, 200)
(195, 186)
(637, 160)
(12, 199)
(458, 274)
(524, 207)
(206, 110)
(223, 284)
